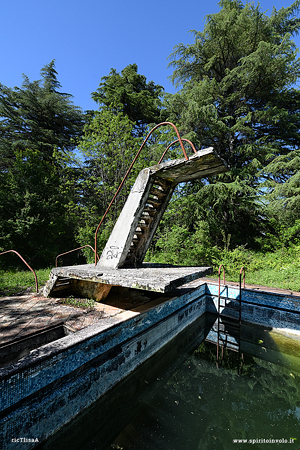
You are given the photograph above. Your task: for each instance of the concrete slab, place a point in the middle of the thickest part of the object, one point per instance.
(148, 277)
(23, 315)
(200, 165)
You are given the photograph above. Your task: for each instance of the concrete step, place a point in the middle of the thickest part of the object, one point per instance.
(153, 203)
(62, 284)
(158, 192)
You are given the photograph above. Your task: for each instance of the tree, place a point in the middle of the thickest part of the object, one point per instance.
(130, 93)
(39, 127)
(237, 83)
(128, 106)
(37, 116)
(282, 193)
(239, 96)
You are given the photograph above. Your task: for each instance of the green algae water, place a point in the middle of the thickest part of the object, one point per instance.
(180, 400)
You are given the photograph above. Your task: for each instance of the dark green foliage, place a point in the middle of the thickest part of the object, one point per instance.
(34, 215)
(38, 130)
(237, 79)
(237, 96)
(130, 93)
(108, 148)
(282, 192)
(112, 137)
(38, 117)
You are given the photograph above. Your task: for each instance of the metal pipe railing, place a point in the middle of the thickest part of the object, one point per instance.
(241, 355)
(219, 274)
(174, 142)
(242, 270)
(14, 251)
(129, 170)
(74, 250)
(219, 307)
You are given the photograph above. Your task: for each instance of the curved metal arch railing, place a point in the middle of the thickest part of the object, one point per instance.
(74, 250)
(18, 254)
(174, 142)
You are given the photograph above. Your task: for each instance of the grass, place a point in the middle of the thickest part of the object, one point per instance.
(13, 282)
(278, 269)
(17, 282)
(84, 303)
(283, 278)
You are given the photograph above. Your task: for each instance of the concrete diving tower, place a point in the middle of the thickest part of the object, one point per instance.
(146, 203)
(121, 262)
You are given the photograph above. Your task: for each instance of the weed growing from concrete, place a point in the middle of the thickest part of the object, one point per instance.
(84, 303)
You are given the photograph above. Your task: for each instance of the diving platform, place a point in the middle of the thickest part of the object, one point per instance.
(121, 262)
(91, 281)
(146, 203)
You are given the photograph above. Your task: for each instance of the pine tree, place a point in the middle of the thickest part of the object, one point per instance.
(39, 128)
(239, 96)
(130, 93)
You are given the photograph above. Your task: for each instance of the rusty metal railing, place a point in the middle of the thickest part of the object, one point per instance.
(14, 251)
(219, 307)
(221, 340)
(241, 354)
(74, 250)
(219, 275)
(242, 271)
(174, 142)
(180, 140)
(244, 276)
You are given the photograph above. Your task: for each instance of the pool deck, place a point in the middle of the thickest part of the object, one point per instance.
(24, 314)
(21, 315)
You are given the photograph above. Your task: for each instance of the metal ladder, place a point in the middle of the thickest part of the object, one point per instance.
(229, 326)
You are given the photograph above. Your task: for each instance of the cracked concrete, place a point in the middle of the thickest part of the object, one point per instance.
(149, 277)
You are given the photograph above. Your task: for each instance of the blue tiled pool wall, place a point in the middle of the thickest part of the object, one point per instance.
(44, 395)
(117, 405)
(62, 403)
(262, 308)
(17, 384)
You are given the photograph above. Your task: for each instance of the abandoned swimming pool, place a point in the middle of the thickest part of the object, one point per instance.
(180, 400)
(48, 388)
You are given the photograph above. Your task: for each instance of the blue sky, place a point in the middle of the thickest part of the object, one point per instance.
(88, 38)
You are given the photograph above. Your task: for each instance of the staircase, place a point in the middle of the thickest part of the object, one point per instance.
(157, 201)
(146, 203)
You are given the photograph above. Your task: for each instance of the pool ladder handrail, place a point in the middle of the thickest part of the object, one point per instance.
(221, 342)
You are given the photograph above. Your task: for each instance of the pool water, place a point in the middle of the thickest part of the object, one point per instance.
(180, 400)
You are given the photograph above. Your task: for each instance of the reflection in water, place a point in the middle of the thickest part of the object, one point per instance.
(180, 400)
